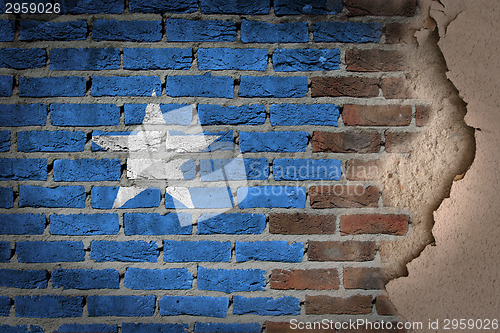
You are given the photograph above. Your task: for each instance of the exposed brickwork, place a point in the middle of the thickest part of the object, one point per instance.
(343, 196)
(345, 86)
(377, 115)
(319, 279)
(374, 224)
(374, 60)
(341, 251)
(297, 224)
(353, 305)
(347, 142)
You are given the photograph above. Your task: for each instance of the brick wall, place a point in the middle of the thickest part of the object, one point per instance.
(297, 105)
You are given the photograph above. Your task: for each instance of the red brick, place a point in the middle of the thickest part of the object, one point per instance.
(316, 279)
(396, 88)
(302, 224)
(381, 7)
(376, 115)
(344, 196)
(323, 304)
(284, 327)
(374, 60)
(384, 306)
(391, 224)
(346, 142)
(422, 115)
(363, 278)
(345, 86)
(363, 170)
(341, 251)
(400, 142)
(398, 33)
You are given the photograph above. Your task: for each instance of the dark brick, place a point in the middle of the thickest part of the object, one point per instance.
(363, 278)
(396, 87)
(398, 33)
(316, 279)
(400, 142)
(391, 224)
(344, 196)
(346, 142)
(363, 170)
(297, 224)
(376, 115)
(322, 304)
(341, 251)
(374, 60)
(381, 7)
(385, 307)
(422, 115)
(345, 86)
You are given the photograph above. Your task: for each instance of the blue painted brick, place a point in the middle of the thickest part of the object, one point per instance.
(196, 251)
(105, 197)
(56, 141)
(48, 306)
(84, 59)
(227, 328)
(347, 32)
(85, 279)
(87, 328)
(273, 86)
(22, 224)
(224, 141)
(306, 169)
(23, 115)
(126, 86)
(20, 328)
(285, 141)
(200, 86)
(87, 170)
(293, 60)
(127, 31)
(24, 279)
(57, 197)
(157, 224)
(84, 114)
(7, 30)
(132, 251)
(4, 251)
(92, 7)
(194, 306)
(6, 197)
(234, 169)
(121, 306)
(153, 279)
(304, 114)
(266, 306)
(241, 7)
(69, 86)
(272, 197)
(22, 58)
(230, 280)
(234, 224)
(4, 141)
(47, 30)
(173, 114)
(44, 252)
(148, 59)
(84, 224)
(163, 6)
(204, 197)
(236, 59)
(269, 251)
(263, 32)
(6, 83)
(298, 7)
(154, 328)
(23, 169)
(5, 306)
(209, 114)
(180, 30)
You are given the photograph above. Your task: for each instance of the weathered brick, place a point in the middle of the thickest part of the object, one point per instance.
(173, 114)
(396, 87)
(87, 328)
(194, 306)
(92, 7)
(23, 169)
(48, 306)
(87, 170)
(127, 31)
(146, 328)
(376, 115)
(22, 224)
(200, 86)
(363, 278)
(399, 33)
(345, 86)
(304, 114)
(341, 251)
(84, 224)
(391, 224)
(202, 197)
(233, 224)
(6, 84)
(150, 59)
(422, 115)
(163, 6)
(230, 280)
(45, 252)
(235, 7)
(23, 114)
(298, 7)
(128, 251)
(5, 303)
(196, 251)
(363, 169)
(299, 224)
(181, 30)
(121, 306)
(24, 279)
(273, 86)
(269, 251)
(105, 197)
(56, 141)
(374, 60)
(306, 169)
(263, 32)
(22, 58)
(285, 141)
(381, 7)
(7, 30)
(6, 197)
(84, 114)
(271, 197)
(299, 60)
(156, 279)
(400, 142)
(57, 197)
(66, 86)
(347, 32)
(354, 305)
(47, 30)
(209, 114)
(84, 59)
(344, 196)
(85, 279)
(384, 306)
(227, 328)
(5, 253)
(156, 224)
(266, 306)
(235, 59)
(346, 142)
(126, 86)
(315, 279)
